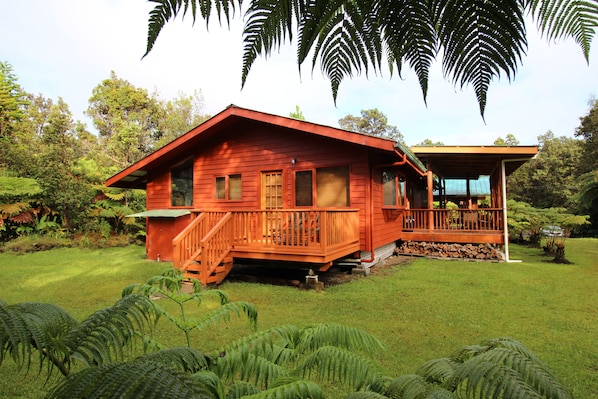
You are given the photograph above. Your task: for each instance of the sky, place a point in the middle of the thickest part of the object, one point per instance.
(65, 48)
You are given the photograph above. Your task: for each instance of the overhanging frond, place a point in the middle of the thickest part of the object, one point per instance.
(409, 34)
(480, 40)
(167, 10)
(269, 23)
(559, 19)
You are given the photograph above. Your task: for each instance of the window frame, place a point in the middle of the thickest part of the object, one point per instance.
(187, 164)
(314, 186)
(400, 199)
(228, 187)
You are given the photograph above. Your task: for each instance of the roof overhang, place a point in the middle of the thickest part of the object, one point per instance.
(470, 162)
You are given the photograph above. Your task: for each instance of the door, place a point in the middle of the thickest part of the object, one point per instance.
(272, 199)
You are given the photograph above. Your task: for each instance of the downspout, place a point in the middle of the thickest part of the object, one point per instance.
(371, 212)
(504, 205)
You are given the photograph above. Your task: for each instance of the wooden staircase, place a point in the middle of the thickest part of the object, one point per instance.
(201, 250)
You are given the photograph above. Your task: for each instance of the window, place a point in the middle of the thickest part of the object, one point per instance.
(331, 187)
(393, 186)
(228, 187)
(181, 184)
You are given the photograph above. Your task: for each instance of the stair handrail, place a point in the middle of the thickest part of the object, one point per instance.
(215, 245)
(186, 246)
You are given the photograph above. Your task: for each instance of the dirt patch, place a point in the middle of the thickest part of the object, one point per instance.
(274, 274)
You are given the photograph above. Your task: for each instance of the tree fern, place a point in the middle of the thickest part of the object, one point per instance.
(479, 40)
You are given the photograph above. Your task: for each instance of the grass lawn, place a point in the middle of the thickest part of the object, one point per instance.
(420, 311)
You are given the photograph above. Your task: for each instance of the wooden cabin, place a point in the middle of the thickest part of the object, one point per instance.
(247, 185)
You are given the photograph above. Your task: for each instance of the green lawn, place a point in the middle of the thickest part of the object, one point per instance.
(422, 310)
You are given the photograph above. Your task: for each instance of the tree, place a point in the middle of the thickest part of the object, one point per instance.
(372, 122)
(478, 41)
(510, 141)
(12, 99)
(127, 120)
(550, 179)
(588, 165)
(180, 115)
(428, 142)
(297, 114)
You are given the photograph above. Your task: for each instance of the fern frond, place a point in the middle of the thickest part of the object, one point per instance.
(212, 383)
(290, 390)
(319, 335)
(269, 23)
(185, 359)
(437, 371)
(166, 10)
(559, 19)
(246, 366)
(140, 378)
(480, 40)
(104, 335)
(224, 312)
(342, 365)
(366, 395)
(29, 327)
(409, 34)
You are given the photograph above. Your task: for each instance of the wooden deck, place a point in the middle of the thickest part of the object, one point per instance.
(484, 225)
(314, 236)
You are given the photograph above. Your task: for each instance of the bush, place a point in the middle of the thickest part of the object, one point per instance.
(34, 243)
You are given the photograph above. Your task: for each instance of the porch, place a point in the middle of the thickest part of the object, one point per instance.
(483, 225)
(214, 237)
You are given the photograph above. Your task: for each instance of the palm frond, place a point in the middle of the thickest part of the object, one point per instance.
(29, 327)
(212, 383)
(241, 389)
(140, 378)
(480, 40)
(104, 336)
(560, 19)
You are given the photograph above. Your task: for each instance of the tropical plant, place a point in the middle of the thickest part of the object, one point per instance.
(479, 41)
(496, 368)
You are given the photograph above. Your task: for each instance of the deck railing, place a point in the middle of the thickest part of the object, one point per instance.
(296, 228)
(482, 219)
(212, 234)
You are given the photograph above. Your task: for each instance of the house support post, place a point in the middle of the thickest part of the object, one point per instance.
(430, 201)
(503, 178)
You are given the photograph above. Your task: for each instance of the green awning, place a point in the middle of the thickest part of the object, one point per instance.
(161, 213)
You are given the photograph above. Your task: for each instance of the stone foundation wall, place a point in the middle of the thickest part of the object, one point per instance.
(451, 250)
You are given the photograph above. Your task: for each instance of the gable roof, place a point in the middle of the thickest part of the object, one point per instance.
(135, 176)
